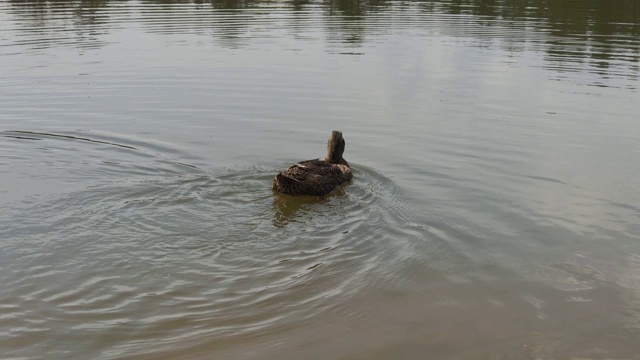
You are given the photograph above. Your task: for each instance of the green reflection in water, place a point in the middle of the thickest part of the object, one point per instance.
(601, 34)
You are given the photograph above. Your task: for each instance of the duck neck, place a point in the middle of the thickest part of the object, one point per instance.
(333, 158)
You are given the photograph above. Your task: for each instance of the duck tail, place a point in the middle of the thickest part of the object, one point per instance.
(285, 184)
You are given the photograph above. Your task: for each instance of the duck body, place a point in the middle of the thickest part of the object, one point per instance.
(312, 177)
(319, 176)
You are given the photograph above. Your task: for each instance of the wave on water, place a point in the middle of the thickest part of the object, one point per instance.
(157, 252)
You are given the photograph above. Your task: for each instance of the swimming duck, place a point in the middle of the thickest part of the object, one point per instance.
(316, 177)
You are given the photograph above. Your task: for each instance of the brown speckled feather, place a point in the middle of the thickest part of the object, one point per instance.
(316, 177)
(312, 177)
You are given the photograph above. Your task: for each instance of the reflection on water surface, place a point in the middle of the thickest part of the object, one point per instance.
(599, 36)
(493, 212)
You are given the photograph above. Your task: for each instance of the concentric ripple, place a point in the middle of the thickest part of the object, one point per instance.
(494, 204)
(156, 252)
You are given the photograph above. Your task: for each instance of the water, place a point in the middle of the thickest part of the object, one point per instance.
(493, 213)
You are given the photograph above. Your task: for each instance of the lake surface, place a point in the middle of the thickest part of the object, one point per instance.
(494, 212)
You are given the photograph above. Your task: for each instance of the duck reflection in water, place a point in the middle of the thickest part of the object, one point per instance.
(291, 209)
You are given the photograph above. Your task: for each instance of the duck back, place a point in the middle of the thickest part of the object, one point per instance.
(312, 177)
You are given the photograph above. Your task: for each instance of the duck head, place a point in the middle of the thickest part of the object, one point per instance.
(335, 148)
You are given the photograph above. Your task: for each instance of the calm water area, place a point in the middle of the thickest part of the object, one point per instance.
(494, 211)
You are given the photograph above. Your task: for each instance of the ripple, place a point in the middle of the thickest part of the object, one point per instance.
(214, 253)
(493, 157)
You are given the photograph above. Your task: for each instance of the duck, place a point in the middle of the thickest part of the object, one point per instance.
(318, 176)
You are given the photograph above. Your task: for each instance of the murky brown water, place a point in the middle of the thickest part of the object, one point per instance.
(493, 215)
